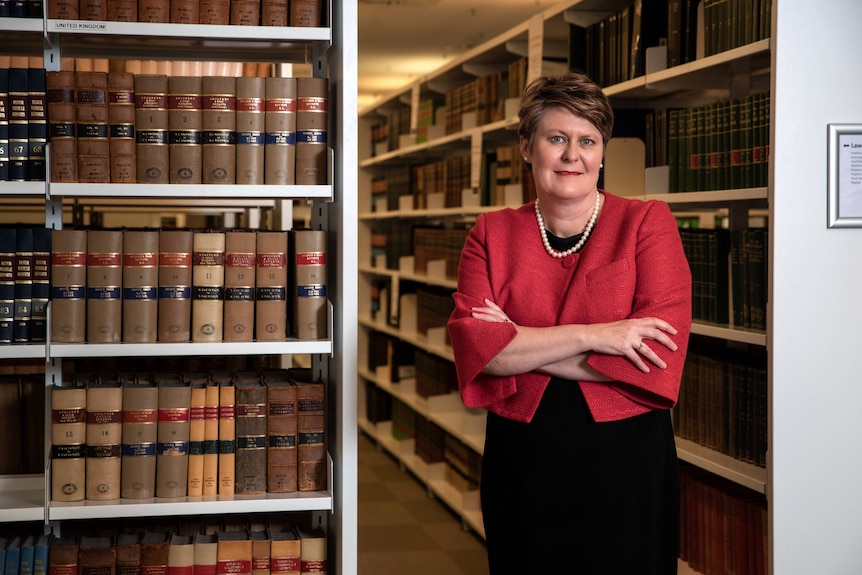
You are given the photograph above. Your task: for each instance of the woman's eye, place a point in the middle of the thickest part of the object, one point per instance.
(587, 142)
(558, 139)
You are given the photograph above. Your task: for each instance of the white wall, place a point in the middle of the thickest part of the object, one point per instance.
(815, 486)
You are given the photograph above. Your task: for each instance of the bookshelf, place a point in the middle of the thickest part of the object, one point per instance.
(331, 52)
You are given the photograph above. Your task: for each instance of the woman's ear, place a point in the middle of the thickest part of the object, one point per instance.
(524, 148)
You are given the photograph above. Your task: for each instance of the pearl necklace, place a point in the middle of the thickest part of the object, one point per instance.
(581, 242)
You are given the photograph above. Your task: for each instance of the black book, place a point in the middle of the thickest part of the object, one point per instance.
(7, 283)
(23, 284)
(17, 8)
(4, 118)
(649, 29)
(37, 124)
(41, 283)
(34, 8)
(4, 8)
(18, 118)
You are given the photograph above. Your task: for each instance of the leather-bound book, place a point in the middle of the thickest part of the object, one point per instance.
(121, 127)
(68, 441)
(211, 444)
(172, 452)
(250, 476)
(308, 283)
(270, 303)
(250, 130)
(18, 121)
(226, 433)
(215, 12)
(140, 285)
(7, 283)
(97, 555)
(280, 120)
(140, 434)
(261, 550)
(155, 547)
(245, 12)
(239, 275)
(312, 549)
(197, 431)
(104, 439)
(62, 118)
(206, 553)
(104, 286)
(208, 286)
(22, 315)
(4, 124)
(91, 91)
(305, 13)
(129, 554)
(157, 11)
(151, 127)
(312, 121)
(185, 11)
(285, 552)
(68, 285)
(234, 552)
(274, 13)
(310, 431)
(41, 284)
(122, 10)
(218, 103)
(63, 9)
(175, 285)
(184, 129)
(37, 123)
(281, 432)
(96, 10)
(181, 555)
(63, 556)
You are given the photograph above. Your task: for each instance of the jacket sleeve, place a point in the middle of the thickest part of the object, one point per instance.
(663, 290)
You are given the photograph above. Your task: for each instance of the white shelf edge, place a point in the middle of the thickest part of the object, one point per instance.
(739, 472)
(228, 191)
(730, 333)
(420, 278)
(215, 32)
(294, 346)
(726, 57)
(19, 500)
(459, 211)
(22, 350)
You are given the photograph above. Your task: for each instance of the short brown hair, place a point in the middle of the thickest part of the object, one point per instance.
(571, 91)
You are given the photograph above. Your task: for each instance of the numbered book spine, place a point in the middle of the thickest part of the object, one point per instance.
(172, 452)
(91, 90)
(121, 127)
(175, 285)
(312, 120)
(310, 430)
(250, 130)
(23, 285)
(41, 284)
(271, 286)
(308, 283)
(250, 436)
(280, 120)
(218, 103)
(211, 436)
(37, 127)
(226, 436)
(4, 124)
(197, 431)
(18, 123)
(140, 434)
(151, 127)
(184, 129)
(63, 556)
(104, 286)
(208, 286)
(68, 285)
(62, 116)
(104, 440)
(281, 433)
(68, 441)
(140, 285)
(239, 276)
(7, 283)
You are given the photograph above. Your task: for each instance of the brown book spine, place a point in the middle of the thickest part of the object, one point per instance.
(68, 442)
(185, 11)
(250, 437)
(261, 550)
(274, 13)
(175, 285)
(206, 553)
(250, 130)
(122, 10)
(184, 129)
(312, 549)
(208, 286)
(151, 127)
(239, 275)
(305, 13)
(104, 440)
(281, 435)
(234, 552)
(121, 123)
(245, 12)
(310, 429)
(285, 552)
(140, 285)
(227, 437)
(181, 555)
(308, 283)
(271, 286)
(63, 556)
(92, 127)
(157, 11)
(68, 285)
(97, 556)
(312, 120)
(215, 12)
(155, 546)
(211, 428)
(218, 103)
(104, 285)
(172, 452)
(197, 434)
(62, 118)
(63, 9)
(140, 435)
(129, 554)
(280, 121)
(96, 10)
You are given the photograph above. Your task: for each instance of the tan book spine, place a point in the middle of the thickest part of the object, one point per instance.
(172, 453)
(310, 430)
(129, 554)
(63, 556)
(308, 283)
(208, 286)
(62, 119)
(184, 129)
(122, 10)
(121, 123)
(97, 556)
(185, 11)
(68, 285)
(206, 553)
(104, 286)
(181, 555)
(274, 13)
(104, 440)
(63, 9)
(234, 552)
(285, 552)
(312, 551)
(271, 286)
(260, 552)
(281, 435)
(305, 13)
(96, 10)
(155, 546)
(250, 474)
(218, 104)
(226, 437)
(250, 130)
(92, 127)
(151, 128)
(140, 285)
(280, 120)
(140, 435)
(312, 121)
(215, 12)
(239, 276)
(68, 442)
(157, 11)
(175, 285)
(245, 12)
(197, 435)
(211, 429)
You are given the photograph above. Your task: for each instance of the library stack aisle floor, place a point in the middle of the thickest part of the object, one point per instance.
(404, 531)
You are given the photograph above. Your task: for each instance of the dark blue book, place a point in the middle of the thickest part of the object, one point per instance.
(3, 543)
(40, 556)
(41, 284)
(23, 285)
(13, 556)
(19, 112)
(7, 283)
(17, 8)
(37, 125)
(4, 120)
(35, 8)
(4, 9)
(28, 549)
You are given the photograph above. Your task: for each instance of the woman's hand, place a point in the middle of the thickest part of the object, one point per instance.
(633, 339)
(491, 312)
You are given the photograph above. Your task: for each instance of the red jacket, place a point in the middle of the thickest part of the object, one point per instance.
(632, 266)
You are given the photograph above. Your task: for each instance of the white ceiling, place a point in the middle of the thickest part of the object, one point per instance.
(400, 40)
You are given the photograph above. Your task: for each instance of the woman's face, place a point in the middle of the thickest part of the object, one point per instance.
(566, 155)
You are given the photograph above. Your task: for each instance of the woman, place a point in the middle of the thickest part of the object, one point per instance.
(571, 325)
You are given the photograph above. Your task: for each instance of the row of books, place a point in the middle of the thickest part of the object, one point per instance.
(284, 548)
(176, 434)
(300, 13)
(170, 285)
(433, 374)
(119, 127)
(729, 275)
(21, 8)
(729, 24)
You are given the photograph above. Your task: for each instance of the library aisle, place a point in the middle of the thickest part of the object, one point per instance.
(403, 530)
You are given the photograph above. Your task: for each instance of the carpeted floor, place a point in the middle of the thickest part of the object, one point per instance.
(404, 531)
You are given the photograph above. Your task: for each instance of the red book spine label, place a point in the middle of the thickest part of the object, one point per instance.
(184, 102)
(104, 417)
(175, 259)
(151, 101)
(108, 259)
(140, 260)
(140, 416)
(174, 414)
(69, 258)
(180, 570)
(285, 565)
(280, 105)
(197, 413)
(278, 260)
(233, 566)
(76, 415)
(250, 105)
(313, 567)
(312, 105)
(217, 102)
(239, 260)
(311, 259)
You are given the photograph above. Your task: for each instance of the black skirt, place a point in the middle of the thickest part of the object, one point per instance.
(564, 494)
